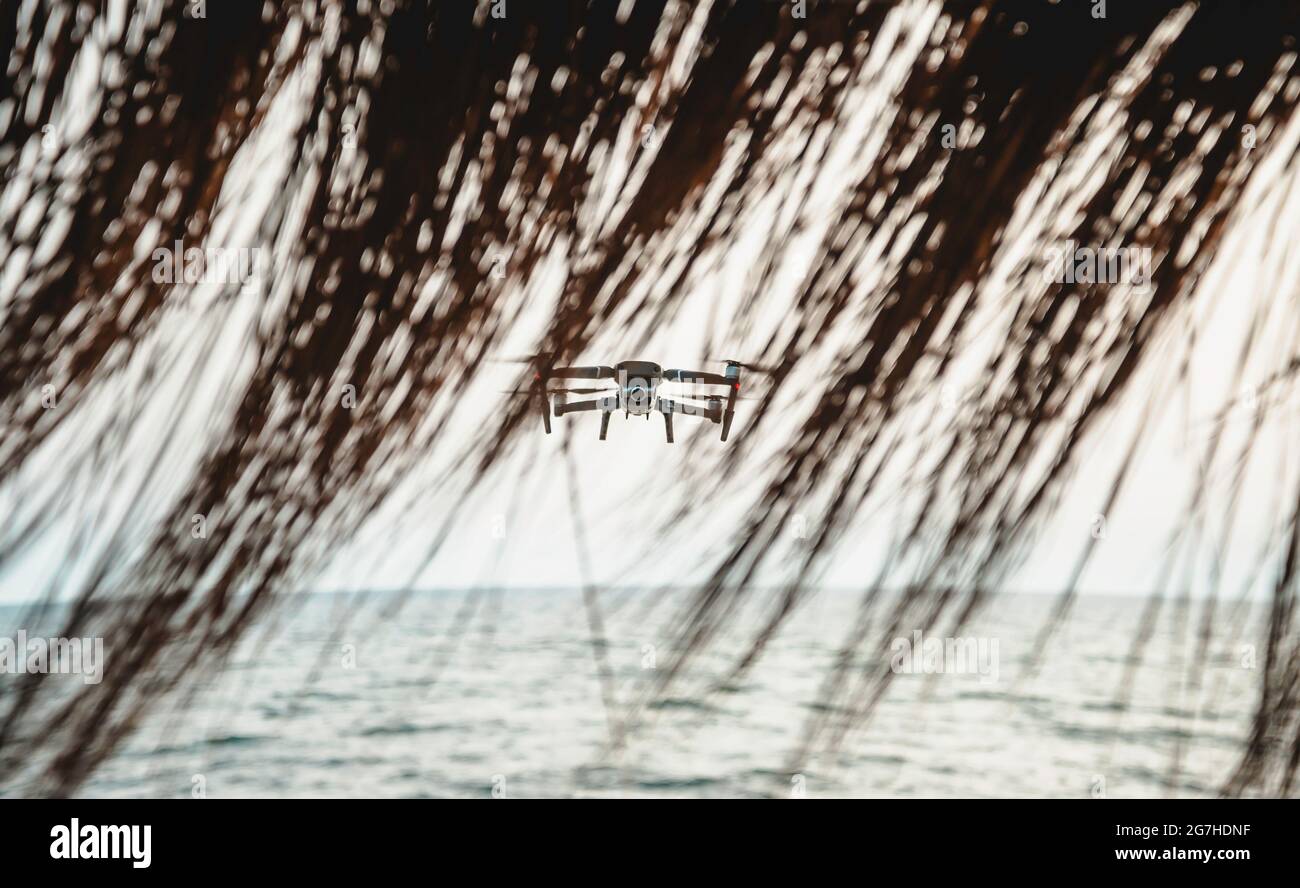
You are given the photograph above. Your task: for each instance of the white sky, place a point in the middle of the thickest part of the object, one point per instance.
(622, 478)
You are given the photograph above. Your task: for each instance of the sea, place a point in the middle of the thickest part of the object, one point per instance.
(507, 693)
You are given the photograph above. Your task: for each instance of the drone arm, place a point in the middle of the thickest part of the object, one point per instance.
(545, 407)
(605, 405)
(563, 407)
(711, 411)
(698, 377)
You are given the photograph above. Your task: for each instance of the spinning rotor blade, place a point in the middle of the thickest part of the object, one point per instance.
(722, 399)
(537, 390)
(752, 368)
(562, 391)
(538, 358)
(597, 372)
(541, 361)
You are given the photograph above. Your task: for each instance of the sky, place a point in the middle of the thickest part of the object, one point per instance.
(520, 530)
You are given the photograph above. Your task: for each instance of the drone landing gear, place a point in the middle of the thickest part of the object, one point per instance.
(604, 423)
(668, 426)
(539, 384)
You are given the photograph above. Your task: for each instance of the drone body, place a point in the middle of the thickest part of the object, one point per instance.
(637, 393)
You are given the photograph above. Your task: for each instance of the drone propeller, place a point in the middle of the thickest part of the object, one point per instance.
(524, 359)
(564, 391)
(752, 368)
(718, 398)
(538, 389)
(733, 375)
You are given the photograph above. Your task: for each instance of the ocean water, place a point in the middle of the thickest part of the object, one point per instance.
(497, 694)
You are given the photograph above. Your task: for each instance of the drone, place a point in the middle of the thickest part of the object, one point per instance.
(636, 393)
